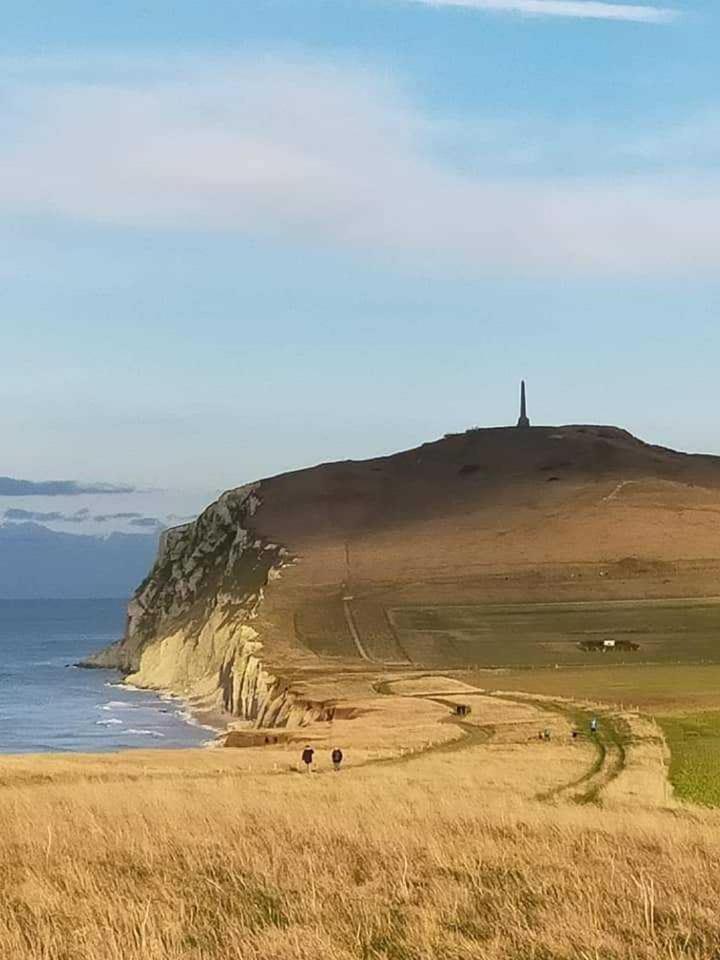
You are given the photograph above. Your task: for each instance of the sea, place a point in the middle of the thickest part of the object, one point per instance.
(49, 704)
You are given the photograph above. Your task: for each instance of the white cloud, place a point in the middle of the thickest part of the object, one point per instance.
(317, 155)
(582, 9)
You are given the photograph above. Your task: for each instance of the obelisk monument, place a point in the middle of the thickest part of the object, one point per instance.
(523, 421)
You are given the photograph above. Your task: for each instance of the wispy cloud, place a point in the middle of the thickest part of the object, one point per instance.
(11, 487)
(147, 522)
(16, 514)
(124, 515)
(324, 155)
(19, 515)
(33, 515)
(581, 9)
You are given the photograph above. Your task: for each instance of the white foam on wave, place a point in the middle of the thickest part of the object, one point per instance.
(187, 717)
(111, 722)
(185, 714)
(123, 685)
(182, 713)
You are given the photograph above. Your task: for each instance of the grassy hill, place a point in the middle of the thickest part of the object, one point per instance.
(495, 548)
(436, 553)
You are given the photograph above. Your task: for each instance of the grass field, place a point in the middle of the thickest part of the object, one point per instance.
(684, 700)
(674, 676)
(423, 859)
(658, 689)
(694, 741)
(429, 846)
(535, 634)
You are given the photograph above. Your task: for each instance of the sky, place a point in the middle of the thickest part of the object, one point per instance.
(248, 236)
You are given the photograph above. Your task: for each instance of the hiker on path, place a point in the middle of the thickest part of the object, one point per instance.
(307, 757)
(337, 758)
(593, 725)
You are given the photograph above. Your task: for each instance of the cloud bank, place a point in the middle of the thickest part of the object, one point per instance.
(10, 487)
(581, 9)
(147, 522)
(330, 156)
(19, 515)
(123, 515)
(38, 516)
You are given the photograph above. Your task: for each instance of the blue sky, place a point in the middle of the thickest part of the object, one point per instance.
(241, 237)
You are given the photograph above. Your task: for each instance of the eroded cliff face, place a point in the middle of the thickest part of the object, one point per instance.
(190, 624)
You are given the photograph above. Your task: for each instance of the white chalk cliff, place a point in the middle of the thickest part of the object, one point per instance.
(190, 623)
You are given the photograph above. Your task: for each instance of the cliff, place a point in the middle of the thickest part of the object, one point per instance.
(189, 626)
(256, 607)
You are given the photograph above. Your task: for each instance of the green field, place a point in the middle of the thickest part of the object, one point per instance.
(658, 689)
(683, 698)
(496, 635)
(694, 741)
(673, 674)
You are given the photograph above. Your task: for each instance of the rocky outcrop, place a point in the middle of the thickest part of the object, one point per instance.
(190, 623)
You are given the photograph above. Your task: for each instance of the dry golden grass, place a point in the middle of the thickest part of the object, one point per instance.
(439, 856)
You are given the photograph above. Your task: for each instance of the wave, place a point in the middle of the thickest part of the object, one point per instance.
(182, 711)
(111, 722)
(187, 717)
(123, 685)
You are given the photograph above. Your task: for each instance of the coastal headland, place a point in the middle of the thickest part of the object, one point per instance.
(544, 547)
(511, 634)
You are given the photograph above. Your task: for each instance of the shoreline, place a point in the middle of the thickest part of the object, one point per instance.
(202, 718)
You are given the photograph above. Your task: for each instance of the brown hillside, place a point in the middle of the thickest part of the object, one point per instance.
(503, 514)
(521, 516)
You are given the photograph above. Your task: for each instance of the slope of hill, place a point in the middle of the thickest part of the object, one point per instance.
(281, 585)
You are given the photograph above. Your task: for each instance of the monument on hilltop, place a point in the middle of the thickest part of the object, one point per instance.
(523, 420)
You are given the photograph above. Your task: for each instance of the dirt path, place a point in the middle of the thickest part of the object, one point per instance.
(617, 490)
(354, 632)
(610, 740)
(610, 758)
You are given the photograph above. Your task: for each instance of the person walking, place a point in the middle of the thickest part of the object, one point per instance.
(593, 725)
(307, 757)
(337, 758)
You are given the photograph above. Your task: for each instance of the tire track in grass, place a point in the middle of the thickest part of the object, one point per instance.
(610, 753)
(609, 742)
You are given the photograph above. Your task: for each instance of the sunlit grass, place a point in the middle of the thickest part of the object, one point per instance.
(654, 688)
(694, 742)
(415, 861)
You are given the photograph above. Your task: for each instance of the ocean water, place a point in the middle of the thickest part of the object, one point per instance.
(47, 704)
